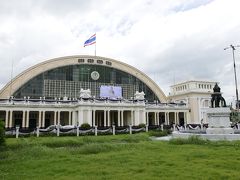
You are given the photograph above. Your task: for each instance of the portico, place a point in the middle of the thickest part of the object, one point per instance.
(96, 113)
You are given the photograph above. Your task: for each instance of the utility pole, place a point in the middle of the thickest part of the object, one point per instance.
(235, 74)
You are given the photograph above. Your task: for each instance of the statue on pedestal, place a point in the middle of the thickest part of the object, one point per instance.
(217, 99)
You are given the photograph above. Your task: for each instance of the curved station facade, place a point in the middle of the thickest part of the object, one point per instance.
(86, 89)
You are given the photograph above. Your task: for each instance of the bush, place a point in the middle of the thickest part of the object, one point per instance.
(2, 133)
(85, 126)
(159, 133)
(142, 125)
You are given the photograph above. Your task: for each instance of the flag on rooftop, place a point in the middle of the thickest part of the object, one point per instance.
(90, 41)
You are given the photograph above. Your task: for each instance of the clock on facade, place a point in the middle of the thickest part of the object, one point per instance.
(95, 75)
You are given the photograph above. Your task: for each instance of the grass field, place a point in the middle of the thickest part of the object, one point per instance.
(118, 157)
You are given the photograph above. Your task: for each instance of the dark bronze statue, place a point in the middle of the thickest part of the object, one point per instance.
(217, 99)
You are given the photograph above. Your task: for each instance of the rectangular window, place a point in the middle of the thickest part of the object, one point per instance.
(90, 61)
(99, 61)
(80, 60)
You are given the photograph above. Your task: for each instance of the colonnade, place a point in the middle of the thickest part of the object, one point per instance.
(95, 117)
(39, 119)
(167, 120)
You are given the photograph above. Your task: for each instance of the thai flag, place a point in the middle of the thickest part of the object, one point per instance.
(90, 41)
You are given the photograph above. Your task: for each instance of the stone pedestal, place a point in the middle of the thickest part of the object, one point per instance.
(219, 121)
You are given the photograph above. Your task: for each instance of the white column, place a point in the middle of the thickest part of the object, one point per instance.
(74, 117)
(178, 118)
(58, 117)
(188, 117)
(105, 118)
(94, 116)
(131, 117)
(199, 112)
(43, 119)
(168, 118)
(165, 120)
(143, 115)
(118, 120)
(39, 119)
(69, 117)
(80, 117)
(157, 113)
(109, 118)
(122, 118)
(23, 119)
(6, 120)
(147, 120)
(136, 117)
(11, 119)
(89, 116)
(27, 120)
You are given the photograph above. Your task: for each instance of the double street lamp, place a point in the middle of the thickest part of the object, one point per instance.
(235, 74)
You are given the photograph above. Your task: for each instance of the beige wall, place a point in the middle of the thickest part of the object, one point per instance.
(193, 101)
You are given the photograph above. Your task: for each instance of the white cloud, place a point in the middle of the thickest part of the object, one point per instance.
(180, 39)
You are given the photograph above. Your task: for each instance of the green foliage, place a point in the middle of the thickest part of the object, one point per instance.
(158, 133)
(191, 140)
(142, 125)
(2, 133)
(85, 126)
(234, 117)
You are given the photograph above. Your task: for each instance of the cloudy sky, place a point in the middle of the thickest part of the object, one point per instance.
(171, 41)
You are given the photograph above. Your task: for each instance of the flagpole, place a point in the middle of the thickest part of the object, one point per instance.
(10, 92)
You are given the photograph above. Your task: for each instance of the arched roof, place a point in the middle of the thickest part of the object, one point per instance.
(33, 71)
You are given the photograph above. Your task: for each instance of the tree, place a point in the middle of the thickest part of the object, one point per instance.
(2, 133)
(234, 117)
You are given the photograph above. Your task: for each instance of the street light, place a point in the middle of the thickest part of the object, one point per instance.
(235, 74)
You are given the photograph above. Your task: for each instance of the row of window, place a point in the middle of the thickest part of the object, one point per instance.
(92, 61)
(181, 88)
(204, 86)
(200, 86)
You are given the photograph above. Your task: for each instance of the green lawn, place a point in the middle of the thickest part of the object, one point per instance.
(117, 157)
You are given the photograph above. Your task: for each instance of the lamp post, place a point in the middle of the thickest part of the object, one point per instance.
(235, 74)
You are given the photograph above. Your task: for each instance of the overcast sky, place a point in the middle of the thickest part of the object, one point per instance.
(171, 41)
